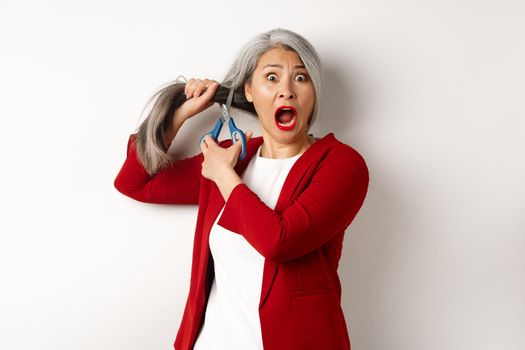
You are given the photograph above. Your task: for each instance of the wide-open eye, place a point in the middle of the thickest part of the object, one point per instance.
(270, 75)
(301, 76)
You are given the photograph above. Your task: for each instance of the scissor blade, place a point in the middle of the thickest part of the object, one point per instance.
(229, 100)
(224, 111)
(226, 107)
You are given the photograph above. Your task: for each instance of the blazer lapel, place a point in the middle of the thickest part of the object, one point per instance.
(297, 179)
(216, 201)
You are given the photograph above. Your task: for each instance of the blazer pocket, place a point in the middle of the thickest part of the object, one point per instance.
(307, 292)
(314, 321)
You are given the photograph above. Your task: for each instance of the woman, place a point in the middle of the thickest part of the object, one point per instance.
(270, 227)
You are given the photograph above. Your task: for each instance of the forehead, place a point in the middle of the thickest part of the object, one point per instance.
(279, 56)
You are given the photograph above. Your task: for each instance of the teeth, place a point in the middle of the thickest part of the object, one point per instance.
(285, 109)
(287, 124)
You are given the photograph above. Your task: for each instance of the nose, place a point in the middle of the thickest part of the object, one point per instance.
(286, 90)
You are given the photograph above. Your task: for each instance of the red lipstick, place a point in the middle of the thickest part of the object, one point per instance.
(285, 117)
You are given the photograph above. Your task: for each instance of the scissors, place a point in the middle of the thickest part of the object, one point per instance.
(234, 131)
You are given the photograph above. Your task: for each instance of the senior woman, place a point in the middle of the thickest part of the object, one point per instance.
(270, 226)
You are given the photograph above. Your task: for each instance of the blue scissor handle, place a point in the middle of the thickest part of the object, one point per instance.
(215, 132)
(236, 131)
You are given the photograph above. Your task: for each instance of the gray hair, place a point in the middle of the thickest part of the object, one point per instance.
(248, 56)
(151, 149)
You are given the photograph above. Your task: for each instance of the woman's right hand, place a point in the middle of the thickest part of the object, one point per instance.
(199, 96)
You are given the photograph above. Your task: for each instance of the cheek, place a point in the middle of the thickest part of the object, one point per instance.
(262, 92)
(263, 101)
(311, 99)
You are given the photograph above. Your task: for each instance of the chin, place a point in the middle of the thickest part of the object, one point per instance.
(286, 136)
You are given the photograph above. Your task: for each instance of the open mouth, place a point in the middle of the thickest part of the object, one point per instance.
(285, 117)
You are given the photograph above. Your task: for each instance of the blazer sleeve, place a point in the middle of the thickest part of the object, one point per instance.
(326, 207)
(178, 183)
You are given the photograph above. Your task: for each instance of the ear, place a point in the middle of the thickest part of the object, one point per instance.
(248, 92)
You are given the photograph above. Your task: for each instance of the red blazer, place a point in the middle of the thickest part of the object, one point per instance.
(301, 239)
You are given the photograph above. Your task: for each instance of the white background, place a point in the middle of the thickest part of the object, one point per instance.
(430, 92)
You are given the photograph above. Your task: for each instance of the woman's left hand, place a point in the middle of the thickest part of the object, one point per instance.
(218, 160)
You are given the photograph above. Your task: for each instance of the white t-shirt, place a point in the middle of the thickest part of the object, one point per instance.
(232, 313)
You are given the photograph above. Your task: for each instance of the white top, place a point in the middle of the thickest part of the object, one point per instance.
(232, 314)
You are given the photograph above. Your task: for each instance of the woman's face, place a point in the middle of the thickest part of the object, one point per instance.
(281, 80)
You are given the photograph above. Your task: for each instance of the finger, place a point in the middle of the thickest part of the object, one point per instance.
(199, 88)
(189, 85)
(247, 135)
(204, 86)
(186, 87)
(237, 148)
(210, 142)
(204, 147)
(237, 142)
(209, 93)
(195, 86)
(188, 90)
(194, 83)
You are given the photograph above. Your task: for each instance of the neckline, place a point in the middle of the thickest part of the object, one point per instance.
(256, 142)
(258, 155)
(258, 151)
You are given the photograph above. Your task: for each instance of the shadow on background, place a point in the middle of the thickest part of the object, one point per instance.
(368, 254)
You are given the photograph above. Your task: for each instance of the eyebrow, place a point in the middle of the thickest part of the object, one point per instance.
(280, 66)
